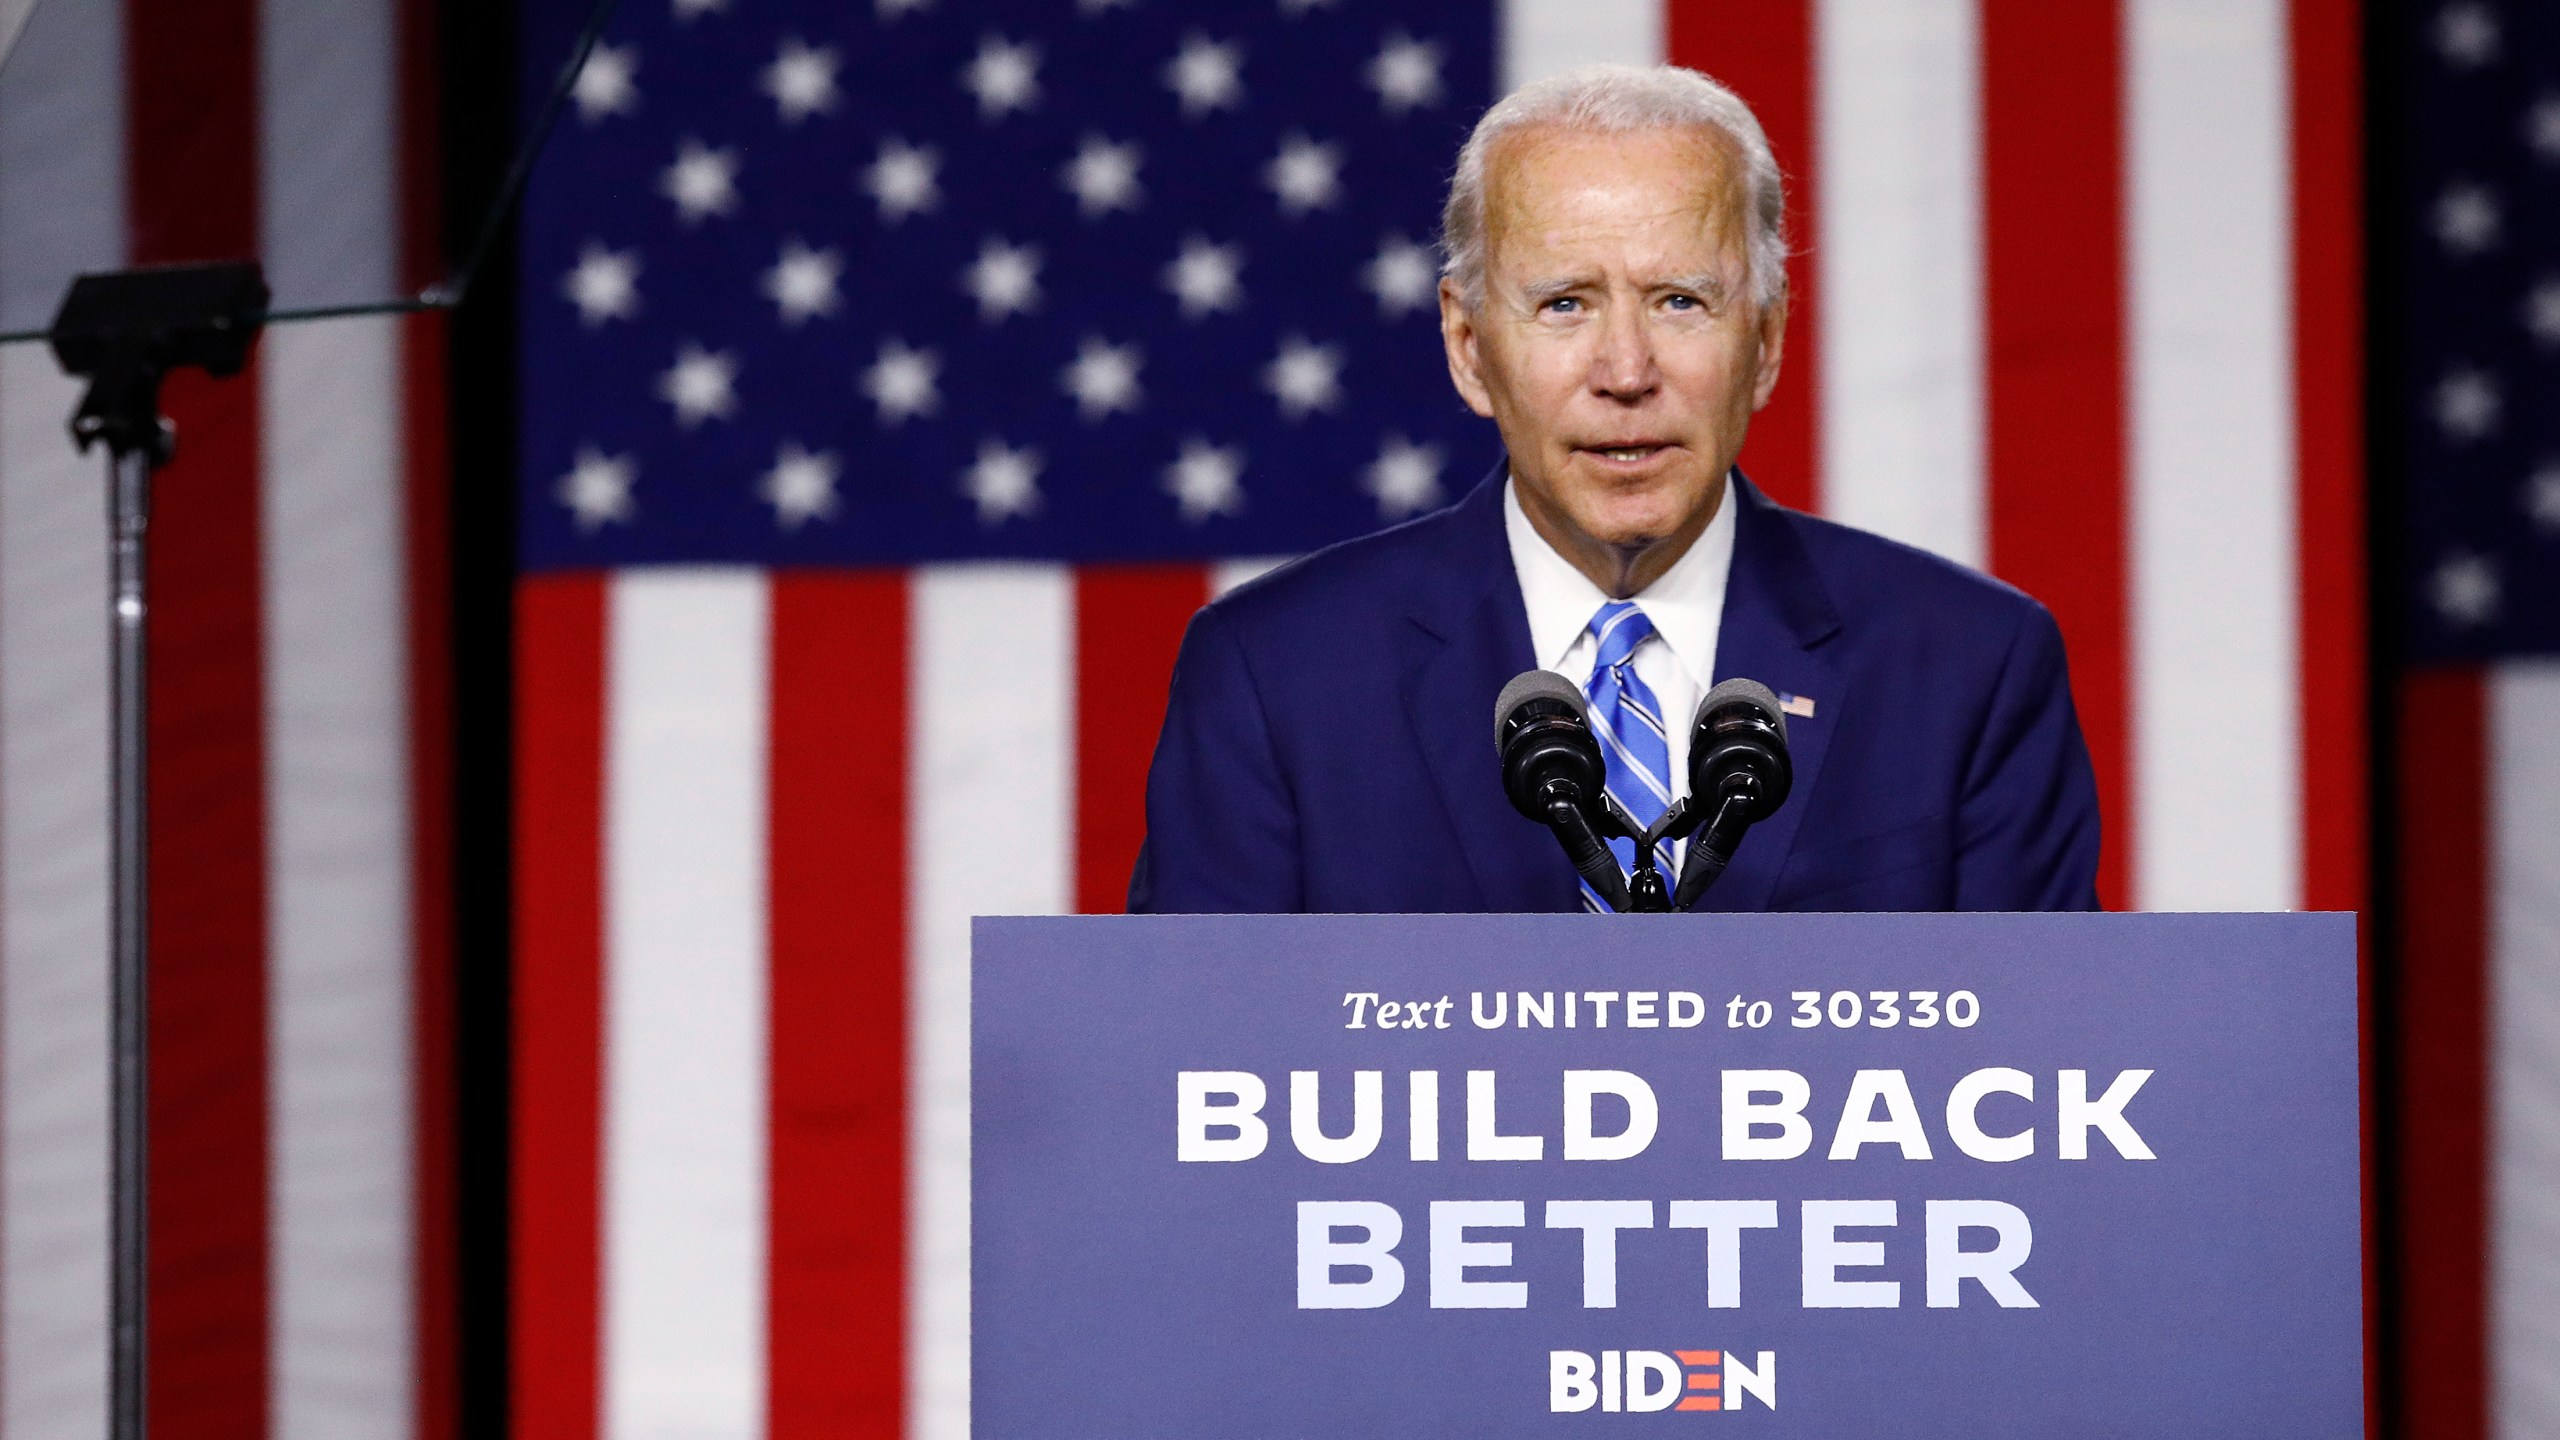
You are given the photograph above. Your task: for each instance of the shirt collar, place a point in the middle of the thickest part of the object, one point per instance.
(1686, 603)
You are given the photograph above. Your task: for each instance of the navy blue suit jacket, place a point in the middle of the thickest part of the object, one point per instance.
(1328, 745)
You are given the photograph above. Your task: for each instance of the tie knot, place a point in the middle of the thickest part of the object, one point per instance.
(1619, 627)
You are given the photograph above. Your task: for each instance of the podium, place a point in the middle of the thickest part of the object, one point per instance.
(1919, 1175)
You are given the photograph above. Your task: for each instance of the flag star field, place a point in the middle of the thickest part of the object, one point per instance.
(2483, 361)
(883, 284)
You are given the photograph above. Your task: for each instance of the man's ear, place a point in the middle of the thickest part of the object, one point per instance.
(1458, 336)
(1773, 349)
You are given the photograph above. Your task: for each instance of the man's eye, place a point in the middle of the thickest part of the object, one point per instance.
(1564, 305)
(1683, 302)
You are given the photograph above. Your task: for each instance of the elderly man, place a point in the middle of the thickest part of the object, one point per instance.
(1615, 302)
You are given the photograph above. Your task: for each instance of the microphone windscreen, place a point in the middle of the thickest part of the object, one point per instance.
(1738, 688)
(1531, 685)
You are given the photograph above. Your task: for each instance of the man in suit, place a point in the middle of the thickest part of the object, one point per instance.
(1615, 301)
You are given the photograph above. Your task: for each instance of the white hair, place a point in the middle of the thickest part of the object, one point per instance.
(1617, 100)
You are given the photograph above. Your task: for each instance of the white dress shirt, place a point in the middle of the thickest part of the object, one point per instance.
(1686, 606)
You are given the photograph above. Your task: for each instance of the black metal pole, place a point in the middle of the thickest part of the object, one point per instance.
(124, 332)
(128, 519)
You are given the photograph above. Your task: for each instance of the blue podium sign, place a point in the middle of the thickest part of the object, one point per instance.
(1817, 1175)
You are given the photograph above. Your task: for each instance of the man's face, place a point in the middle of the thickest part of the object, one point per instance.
(1618, 347)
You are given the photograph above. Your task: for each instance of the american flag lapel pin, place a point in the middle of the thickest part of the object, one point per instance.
(1800, 706)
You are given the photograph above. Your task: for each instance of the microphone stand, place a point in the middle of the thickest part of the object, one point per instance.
(124, 332)
(1707, 856)
(1646, 893)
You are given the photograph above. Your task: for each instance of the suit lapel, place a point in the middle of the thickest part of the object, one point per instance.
(1777, 616)
(1467, 638)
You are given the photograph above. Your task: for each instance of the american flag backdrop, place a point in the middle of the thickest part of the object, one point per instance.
(2474, 209)
(900, 377)
(301, 1265)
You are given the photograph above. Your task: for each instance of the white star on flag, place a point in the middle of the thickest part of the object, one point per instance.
(604, 285)
(1403, 276)
(901, 179)
(1204, 277)
(604, 84)
(1405, 478)
(1005, 280)
(1004, 77)
(800, 487)
(1203, 480)
(802, 284)
(2542, 127)
(2468, 35)
(892, 9)
(901, 382)
(1304, 378)
(1003, 482)
(2467, 404)
(1406, 74)
(2542, 497)
(701, 385)
(1206, 74)
(2467, 219)
(1305, 175)
(689, 9)
(801, 80)
(702, 181)
(2542, 312)
(597, 488)
(1103, 378)
(2466, 590)
(1103, 177)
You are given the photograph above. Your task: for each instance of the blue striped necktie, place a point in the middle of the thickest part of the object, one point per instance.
(1628, 721)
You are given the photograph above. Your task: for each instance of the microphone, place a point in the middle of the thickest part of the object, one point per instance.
(1739, 775)
(1553, 772)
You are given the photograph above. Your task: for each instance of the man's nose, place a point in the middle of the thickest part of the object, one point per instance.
(1623, 368)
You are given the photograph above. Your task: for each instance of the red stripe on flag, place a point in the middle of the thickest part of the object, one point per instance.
(1764, 51)
(2054, 334)
(421, 116)
(1129, 622)
(208, 887)
(191, 174)
(2328, 365)
(558, 1078)
(838, 1123)
(191, 148)
(2441, 1001)
(431, 788)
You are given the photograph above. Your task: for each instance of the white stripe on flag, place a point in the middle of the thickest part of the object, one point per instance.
(338, 900)
(2524, 1101)
(62, 139)
(685, 1012)
(328, 158)
(339, 966)
(1899, 136)
(992, 806)
(1225, 575)
(53, 912)
(1547, 37)
(2216, 684)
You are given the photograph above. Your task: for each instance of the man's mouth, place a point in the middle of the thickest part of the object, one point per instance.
(1629, 453)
